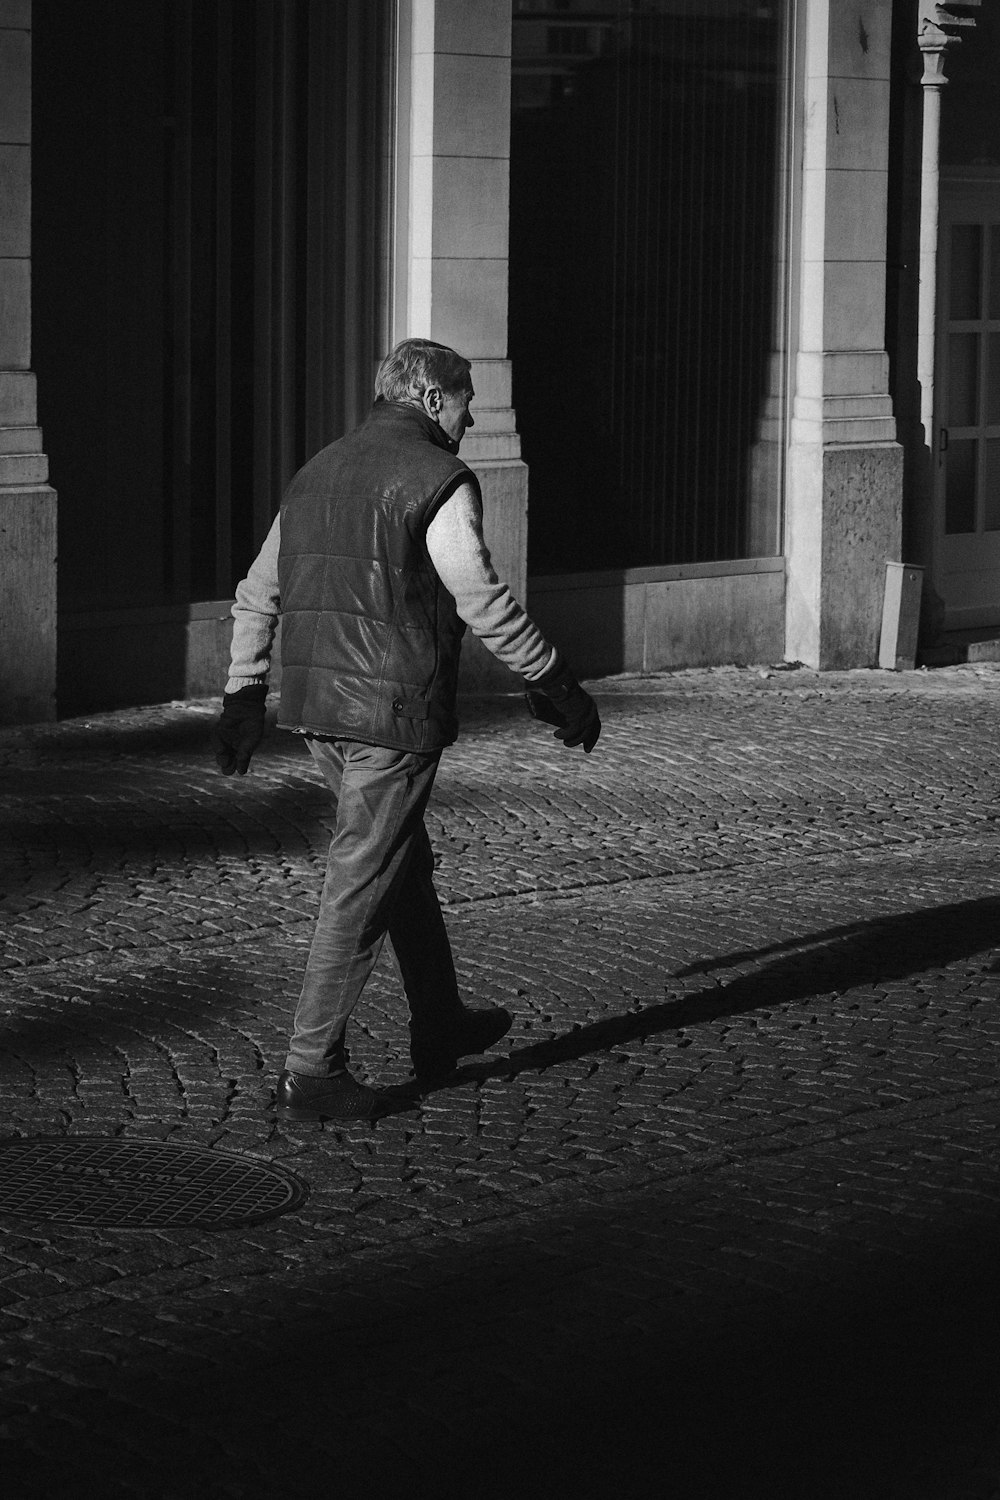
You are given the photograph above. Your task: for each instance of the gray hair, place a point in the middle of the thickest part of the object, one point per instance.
(415, 365)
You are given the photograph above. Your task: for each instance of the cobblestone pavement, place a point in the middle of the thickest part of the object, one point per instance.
(719, 1220)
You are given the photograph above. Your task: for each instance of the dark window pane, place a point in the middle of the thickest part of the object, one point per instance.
(991, 477)
(963, 379)
(993, 296)
(644, 281)
(960, 488)
(567, 41)
(204, 345)
(993, 380)
(966, 249)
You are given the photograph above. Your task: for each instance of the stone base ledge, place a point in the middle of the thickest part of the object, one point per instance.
(20, 440)
(20, 471)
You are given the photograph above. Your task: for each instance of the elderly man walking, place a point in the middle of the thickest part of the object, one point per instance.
(375, 565)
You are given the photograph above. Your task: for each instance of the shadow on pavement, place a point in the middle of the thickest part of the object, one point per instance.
(563, 1356)
(930, 936)
(125, 1016)
(704, 1340)
(163, 730)
(156, 732)
(828, 962)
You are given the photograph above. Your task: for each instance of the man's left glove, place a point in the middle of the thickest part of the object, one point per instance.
(239, 729)
(557, 698)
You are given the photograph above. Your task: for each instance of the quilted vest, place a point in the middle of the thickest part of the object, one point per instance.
(370, 637)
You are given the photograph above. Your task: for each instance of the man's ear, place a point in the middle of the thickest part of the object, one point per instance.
(433, 400)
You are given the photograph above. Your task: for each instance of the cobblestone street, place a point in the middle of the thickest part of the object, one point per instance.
(719, 1218)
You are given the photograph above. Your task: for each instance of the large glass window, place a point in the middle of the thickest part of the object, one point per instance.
(210, 211)
(646, 278)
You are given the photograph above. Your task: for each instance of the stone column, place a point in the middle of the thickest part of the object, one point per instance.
(844, 492)
(27, 504)
(453, 194)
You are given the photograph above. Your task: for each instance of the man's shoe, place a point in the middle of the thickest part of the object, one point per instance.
(337, 1097)
(437, 1053)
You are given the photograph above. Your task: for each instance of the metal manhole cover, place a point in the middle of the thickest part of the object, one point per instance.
(94, 1183)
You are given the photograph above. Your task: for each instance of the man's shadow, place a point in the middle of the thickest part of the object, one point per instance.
(837, 959)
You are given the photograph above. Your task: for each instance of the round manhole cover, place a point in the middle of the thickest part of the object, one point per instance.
(94, 1183)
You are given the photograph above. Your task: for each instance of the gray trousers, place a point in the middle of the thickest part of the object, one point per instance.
(379, 880)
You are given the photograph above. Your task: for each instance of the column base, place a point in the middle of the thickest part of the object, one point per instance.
(28, 604)
(845, 524)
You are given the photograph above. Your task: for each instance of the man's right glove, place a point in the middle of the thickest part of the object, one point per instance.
(240, 728)
(558, 698)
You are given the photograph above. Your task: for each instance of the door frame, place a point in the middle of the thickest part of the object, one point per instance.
(967, 195)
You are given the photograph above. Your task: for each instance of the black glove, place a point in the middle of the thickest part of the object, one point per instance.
(557, 698)
(239, 729)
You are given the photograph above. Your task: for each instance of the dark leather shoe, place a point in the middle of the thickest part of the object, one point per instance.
(437, 1053)
(338, 1097)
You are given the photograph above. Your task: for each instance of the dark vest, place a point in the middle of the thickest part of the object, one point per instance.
(370, 637)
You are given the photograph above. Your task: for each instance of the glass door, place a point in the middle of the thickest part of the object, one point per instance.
(967, 439)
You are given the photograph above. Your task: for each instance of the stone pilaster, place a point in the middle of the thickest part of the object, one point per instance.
(453, 194)
(844, 493)
(27, 503)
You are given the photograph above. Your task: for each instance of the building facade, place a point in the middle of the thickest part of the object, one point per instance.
(729, 273)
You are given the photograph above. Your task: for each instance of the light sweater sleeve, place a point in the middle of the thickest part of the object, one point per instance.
(461, 559)
(255, 616)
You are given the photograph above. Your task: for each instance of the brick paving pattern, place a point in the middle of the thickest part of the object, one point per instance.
(720, 1218)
